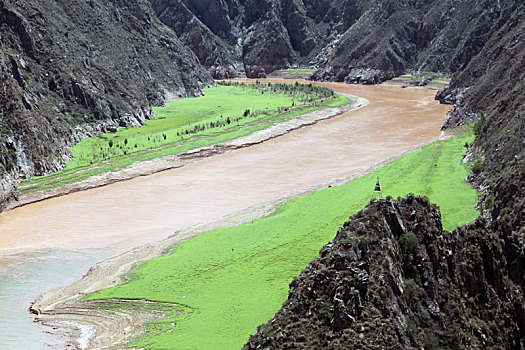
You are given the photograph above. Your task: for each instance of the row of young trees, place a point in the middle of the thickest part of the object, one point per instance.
(305, 93)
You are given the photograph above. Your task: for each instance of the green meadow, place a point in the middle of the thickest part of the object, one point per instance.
(225, 283)
(226, 112)
(438, 81)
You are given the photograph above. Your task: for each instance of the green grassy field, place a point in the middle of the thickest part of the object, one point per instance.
(227, 282)
(223, 113)
(441, 80)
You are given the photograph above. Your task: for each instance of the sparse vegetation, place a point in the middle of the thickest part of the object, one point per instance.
(297, 70)
(408, 242)
(479, 125)
(477, 167)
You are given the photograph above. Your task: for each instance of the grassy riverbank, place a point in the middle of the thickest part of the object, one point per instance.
(227, 282)
(224, 113)
(292, 73)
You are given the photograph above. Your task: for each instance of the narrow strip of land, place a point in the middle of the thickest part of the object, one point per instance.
(155, 165)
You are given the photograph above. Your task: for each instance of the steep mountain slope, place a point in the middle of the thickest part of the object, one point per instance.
(258, 36)
(280, 34)
(74, 68)
(339, 37)
(392, 278)
(213, 53)
(431, 35)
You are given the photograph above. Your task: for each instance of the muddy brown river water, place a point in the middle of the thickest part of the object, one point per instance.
(53, 242)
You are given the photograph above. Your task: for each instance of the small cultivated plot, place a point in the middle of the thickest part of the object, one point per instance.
(225, 283)
(441, 81)
(292, 73)
(226, 112)
(297, 70)
(433, 80)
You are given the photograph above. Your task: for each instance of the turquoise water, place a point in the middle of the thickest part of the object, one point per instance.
(22, 278)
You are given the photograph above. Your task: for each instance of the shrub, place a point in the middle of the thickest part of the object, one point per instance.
(431, 341)
(477, 167)
(480, 124)
(489, 203)
(110, 143)
(152, 96)
(408, 242)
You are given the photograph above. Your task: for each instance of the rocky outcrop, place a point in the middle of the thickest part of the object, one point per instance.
(208, 47)
(438, 36)
(73, 69)
(282, 33)
(392, 277)
(259, 36)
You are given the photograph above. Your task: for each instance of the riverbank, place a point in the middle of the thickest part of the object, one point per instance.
(132, 213)
(63, 304)
(148, 167)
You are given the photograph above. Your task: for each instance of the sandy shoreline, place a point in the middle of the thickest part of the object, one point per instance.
(148, 167)
(61, 307)
(62, 304)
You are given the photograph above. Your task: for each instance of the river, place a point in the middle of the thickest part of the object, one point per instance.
(54, 242)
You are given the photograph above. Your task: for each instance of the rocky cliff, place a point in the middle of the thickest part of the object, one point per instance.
(356, 41)
(393, 278)
(70, 69)
(258, 37)
(395, 36)
(217, 51)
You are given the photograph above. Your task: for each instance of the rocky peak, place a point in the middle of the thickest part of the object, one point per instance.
(393, 277)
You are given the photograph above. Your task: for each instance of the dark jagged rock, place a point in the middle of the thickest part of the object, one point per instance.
(261, 36)
(71, 69)
(208, 47)
(439, 36)
(392, 278)
(283, 33)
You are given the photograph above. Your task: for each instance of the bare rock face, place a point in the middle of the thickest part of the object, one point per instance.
(70, 70)
(393, 36)
(259, 36)
(262, 57)
(393, 278)
(208, 47)
(280, 34)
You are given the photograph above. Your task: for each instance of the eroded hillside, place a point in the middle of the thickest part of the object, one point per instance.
(71, 69)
